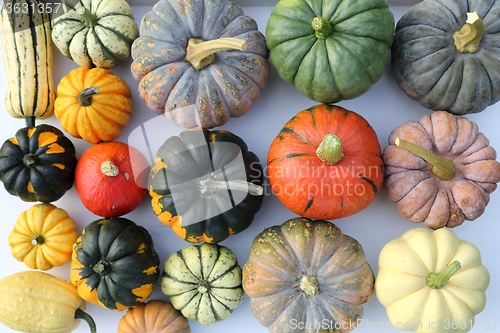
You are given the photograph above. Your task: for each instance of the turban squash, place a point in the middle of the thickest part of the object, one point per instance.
(440, 170)
(199, 62)
(445, 54)
(307, 276)
(206, 185)
(114, 264)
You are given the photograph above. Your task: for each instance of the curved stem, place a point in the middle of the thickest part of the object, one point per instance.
(436, 281)
(29, 160)
(109, 168)
(441, 167)
(200, 53)
(322, 27)
(208, 185)
(330, 149)
(80, 314)
(89, 19)
(85, 97)
(309, 285)
(468, 38)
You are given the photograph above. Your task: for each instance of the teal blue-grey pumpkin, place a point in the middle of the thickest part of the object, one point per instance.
(114, 264)
(203, 282)
(330, 50)
(95, 33)
(445, 54)
(199, 62)
(38, 163)
(206, 185)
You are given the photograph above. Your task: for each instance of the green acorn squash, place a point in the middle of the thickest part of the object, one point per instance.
(199, 62)
(330, 50)
(206, 185)
(38, 163)
(114, 264)
(445, 55)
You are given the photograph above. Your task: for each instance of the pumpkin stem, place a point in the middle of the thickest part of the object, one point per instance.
(38, 240)
(442, 168)
(88, 19)
(203, 286)
(309, 285)
(202, 53)
(80, 314)
(208, 185)
(102, 267)
(468, 38)
(29, 160)
(85, 97)
(436, 281)
(322, 27)
(109, 168)
(330, 149)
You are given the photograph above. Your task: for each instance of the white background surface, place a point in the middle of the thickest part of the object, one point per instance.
(384, 106)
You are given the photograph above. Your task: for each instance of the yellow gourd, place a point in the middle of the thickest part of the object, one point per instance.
(431, 281)
(43, 237)
(37, 302)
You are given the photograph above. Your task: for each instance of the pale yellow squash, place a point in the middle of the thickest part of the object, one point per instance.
(431, 281)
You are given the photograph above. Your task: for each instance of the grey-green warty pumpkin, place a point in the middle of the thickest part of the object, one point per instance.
(446, 54)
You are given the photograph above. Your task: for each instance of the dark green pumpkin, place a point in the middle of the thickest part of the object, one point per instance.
(330, 50)
(38, 164)
(206, 185)
(114, 264)
(199, 62)
(434, 65)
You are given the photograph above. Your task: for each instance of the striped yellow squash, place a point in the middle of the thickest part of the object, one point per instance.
(27, 59)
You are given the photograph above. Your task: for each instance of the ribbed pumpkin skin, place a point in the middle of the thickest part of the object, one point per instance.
(38, 164)
(27, 59)
(285, 257)
(39, 303)
(182, 162)
(155, 316)
(114, 264)
(311, 188)
(342, 65)
(203, 282)
(170, 85)
(419, 194)
(102, 39)
(109, 108)
(430, 69)
(43, 237)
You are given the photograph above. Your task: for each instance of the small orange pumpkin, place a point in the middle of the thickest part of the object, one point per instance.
(93, 104)
(43, 237)
(155, 316)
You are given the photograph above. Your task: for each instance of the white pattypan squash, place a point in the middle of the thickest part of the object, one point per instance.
(431, 281)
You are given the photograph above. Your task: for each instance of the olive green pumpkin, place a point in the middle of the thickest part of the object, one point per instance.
(114, 264)
(203, 282)
(306, 273)
(443, 60)
(206, 185)
(199, 62)
(330, 50)
(38, 164)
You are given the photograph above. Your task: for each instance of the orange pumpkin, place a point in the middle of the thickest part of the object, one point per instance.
(325, 163)
(93, 104)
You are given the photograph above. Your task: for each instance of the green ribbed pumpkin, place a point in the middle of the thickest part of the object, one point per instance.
(330, 50)
(446, 58)
(199, 62)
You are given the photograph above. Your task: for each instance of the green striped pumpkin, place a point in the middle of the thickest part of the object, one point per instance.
(203, 282)
(96, 33)
(27, 59)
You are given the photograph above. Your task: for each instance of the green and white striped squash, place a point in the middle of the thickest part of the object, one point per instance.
(203, 282)
(96, 33)
(27, 59)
